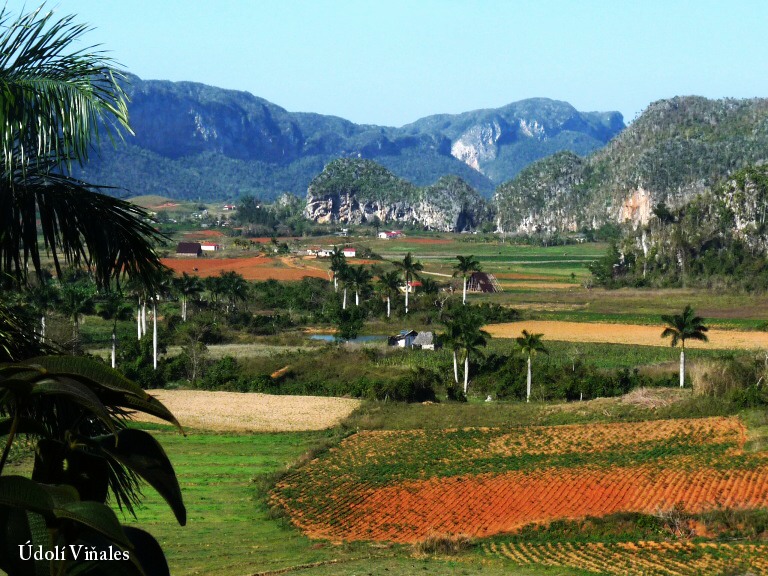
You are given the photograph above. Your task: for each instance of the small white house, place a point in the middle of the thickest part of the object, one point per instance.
(349, 252)
(404, 339)
(210, 247)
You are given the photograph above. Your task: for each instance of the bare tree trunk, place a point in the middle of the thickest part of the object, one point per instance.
(682, 367)
(114, 347)
(154, 335)
(455, 367)
(528, 387)
(407, 288)
(466, 373)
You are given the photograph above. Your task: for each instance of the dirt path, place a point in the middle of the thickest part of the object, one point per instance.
(236, 412)
(625, 334)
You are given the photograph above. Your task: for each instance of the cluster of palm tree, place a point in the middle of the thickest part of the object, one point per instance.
(57, 97)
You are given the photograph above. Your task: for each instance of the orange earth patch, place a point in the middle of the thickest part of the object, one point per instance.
(204, 234)
(255, 268)
(402, 486)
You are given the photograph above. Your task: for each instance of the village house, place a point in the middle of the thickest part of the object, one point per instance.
(189, 249)
(424, 341)
(208, 247)
(349, 252)
(403, 340)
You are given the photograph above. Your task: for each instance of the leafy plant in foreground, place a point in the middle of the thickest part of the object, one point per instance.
(77, 411)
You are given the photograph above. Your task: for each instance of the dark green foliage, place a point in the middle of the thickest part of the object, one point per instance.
(418, 386)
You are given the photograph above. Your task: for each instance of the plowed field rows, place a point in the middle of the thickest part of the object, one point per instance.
(403, 485)
(647, 558)
(254, 268)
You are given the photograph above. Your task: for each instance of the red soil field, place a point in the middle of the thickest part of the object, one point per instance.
(698, 464)
(485, 505)
(254, 268)
(204, 234)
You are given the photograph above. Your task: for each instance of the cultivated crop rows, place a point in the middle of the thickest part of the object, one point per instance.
(401, 486)
(648, 558)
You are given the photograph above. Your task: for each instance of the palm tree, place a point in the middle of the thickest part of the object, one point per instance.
(410, 269)
(529, 344)
(359, 279)
(389, 284)
(234, 287)
(188, 287)
(682, 327)
(466, 266)
(113, 306)
(41, 298)
(77, 296)
(344, 274)
(465, 334)
(54, 101)
(338, 263)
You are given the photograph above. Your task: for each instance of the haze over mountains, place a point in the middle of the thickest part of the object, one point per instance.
(196, 141)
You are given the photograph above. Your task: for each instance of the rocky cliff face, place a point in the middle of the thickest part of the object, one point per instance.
(192, 140)
(351, 191)
(675, 150)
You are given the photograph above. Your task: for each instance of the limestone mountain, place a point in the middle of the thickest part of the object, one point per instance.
(196, 141)
(357, 191)
(676, 149)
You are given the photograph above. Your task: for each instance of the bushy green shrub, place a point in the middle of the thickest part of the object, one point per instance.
(418, 386)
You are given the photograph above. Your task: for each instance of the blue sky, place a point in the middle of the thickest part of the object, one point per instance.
(391, 62)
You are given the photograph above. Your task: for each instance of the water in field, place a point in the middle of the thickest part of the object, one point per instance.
(358, 340)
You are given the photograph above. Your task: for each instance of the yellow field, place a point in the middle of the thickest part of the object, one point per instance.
(625, 334)
(236, 412)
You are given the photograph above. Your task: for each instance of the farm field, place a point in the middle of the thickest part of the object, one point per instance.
(484, 482)
(631, 334)
(236, 412)
(251, 267)
(226, 480)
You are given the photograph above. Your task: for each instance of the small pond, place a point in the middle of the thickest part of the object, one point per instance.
(358, 340)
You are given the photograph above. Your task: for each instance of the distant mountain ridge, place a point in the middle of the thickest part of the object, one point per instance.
(193, 140)
(676, 149)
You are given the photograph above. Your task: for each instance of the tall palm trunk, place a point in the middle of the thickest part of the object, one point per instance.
(466, 373)
(114, 346)
(42, 327)
(389, 307)
(682, 366)
(357, 298)
(407, 288)
(455, 367)
(335, 283)
(528, 386)
(184, 308)
(464, 297)
(154, 335)
(344, 301)
(138, 319)
(143, 317)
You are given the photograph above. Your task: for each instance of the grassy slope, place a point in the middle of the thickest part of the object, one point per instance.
(231, 531)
